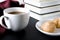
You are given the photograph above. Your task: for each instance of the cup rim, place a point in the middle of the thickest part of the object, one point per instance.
(19, 8)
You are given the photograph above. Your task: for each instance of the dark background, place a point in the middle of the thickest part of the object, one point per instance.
(29, 33)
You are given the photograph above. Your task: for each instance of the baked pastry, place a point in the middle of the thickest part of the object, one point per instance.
(48, 26)
(58, 26)
(55, 21)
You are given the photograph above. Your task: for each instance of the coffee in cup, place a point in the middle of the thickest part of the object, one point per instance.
(16, 12)
(16, 18)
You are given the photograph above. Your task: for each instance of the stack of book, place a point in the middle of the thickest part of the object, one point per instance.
(40, 8)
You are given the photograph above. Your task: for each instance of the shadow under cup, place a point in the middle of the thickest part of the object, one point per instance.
(16, 22)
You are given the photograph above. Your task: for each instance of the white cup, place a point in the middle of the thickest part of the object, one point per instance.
(15, 22)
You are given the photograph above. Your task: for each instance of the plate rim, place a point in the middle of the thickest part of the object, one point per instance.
(51, 34)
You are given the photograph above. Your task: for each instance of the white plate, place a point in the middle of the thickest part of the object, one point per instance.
(38, 25)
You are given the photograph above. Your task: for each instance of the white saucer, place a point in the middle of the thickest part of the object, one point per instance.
(38, 25)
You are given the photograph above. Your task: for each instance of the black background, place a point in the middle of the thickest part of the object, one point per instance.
(29, 33)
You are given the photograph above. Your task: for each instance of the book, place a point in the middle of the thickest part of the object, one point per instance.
(42, 3)
(39, 17)
(42, 10)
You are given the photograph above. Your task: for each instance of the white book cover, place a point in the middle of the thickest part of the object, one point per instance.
(42, 3)
(2, 0)
(39, 17)
(42, 10)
